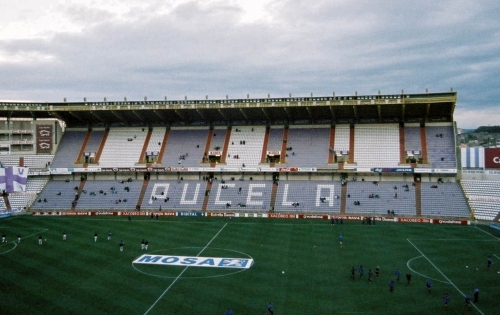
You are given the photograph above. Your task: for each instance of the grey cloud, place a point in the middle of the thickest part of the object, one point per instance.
(320, 47)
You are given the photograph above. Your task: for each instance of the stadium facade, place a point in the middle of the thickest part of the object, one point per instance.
(366, 155)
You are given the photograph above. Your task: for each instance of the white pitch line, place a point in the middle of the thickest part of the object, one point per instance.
(18, 228)
(452, 239)
(442, 274)
(422, 275)
(498, 238)
(15, 245)
(9, 218)
(178, 277)
(22, 238)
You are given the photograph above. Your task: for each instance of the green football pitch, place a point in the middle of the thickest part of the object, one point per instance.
(298, 265)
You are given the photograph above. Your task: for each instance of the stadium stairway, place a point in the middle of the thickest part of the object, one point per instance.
(101, 146)
(274, 193)
(79, 193)
(283, 146)
(264, 146)
(471, 209)
(207, 145)
(351, 144)
(418, 198)
(6, 201)
(226, 146)
(497, 218)
(423, 141)
(331, 156)
(163, 146)
(82, 149)
(208, 189)
(145, 147)
(343, 198)
(402, 155)
(145, 184)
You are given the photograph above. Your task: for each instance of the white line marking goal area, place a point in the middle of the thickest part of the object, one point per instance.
(444, 276)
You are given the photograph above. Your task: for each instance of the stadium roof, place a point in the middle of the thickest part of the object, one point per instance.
(293, 110)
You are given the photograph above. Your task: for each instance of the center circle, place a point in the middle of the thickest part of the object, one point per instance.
(173, 272)
(9, 250)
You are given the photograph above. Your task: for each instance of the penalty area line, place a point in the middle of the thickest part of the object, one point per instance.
(488, 233)
(182, 272)
(447, 279)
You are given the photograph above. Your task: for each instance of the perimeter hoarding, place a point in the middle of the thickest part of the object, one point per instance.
(492, 157)
(300, 216)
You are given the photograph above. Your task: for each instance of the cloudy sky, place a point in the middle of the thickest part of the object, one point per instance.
(51, 49)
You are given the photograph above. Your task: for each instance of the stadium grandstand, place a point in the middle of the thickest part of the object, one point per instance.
(377, 155)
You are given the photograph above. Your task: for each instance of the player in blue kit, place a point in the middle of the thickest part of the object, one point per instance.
(428, 284)
(391, 286)
(361, 271)
(489, 263)
(446, 300)
(341, 240)
(270, 308)
(397, 274)
(467, 300)
(229, 312)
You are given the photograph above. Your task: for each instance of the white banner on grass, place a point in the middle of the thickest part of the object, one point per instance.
(195, 261)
